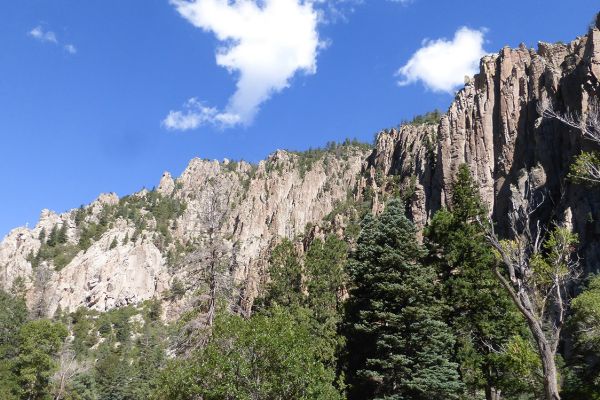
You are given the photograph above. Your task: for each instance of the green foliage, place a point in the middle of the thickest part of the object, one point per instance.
(583, 377)
(13, 314)
(429, 118)
(307, 158)
(126, 348)
(55, 249)
(80, 215)
(39, 343)
(326, 280)
(285, 271)
(269, 356)
(177, 289)
(398, 345)
(586, 168)
(138, 209)
(479, 310)
(553, 263)
(130, 372)
(521, 369)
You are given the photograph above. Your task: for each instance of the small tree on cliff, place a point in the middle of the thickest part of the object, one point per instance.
(536, 266)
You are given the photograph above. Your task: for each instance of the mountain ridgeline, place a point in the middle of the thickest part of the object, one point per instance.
(224, 229)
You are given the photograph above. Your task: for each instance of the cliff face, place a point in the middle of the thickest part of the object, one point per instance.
(492, 125)
(129, 261)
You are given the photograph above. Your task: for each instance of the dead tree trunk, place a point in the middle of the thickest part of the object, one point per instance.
(536, 266)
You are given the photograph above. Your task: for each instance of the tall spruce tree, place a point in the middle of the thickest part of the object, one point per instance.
(479, 310)
(398, 345)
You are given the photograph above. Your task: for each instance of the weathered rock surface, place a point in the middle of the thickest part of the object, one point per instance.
(492, 125)
(263, 203)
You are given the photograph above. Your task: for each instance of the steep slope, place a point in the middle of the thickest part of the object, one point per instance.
(128, 250)
(122, 251)
(494, 127)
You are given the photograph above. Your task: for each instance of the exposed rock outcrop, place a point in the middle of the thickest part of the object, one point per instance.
(492, 125)
(128, 263)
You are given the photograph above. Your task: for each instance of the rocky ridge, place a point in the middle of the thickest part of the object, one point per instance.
(132, 261)
(492, 125)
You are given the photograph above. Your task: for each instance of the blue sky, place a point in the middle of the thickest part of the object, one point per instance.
(87, 87)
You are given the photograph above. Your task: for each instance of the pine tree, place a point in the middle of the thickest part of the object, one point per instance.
(53, 237)
(285, 272)
(42, 235)
(479, 310)
(61, 237)
(398, 345)
(326, 280)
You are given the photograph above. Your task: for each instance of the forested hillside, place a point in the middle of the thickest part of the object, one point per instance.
(455, 258)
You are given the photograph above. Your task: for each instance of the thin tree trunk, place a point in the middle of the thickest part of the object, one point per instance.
(550, 375)
(546, 352)
(547, 356)
(491, 393)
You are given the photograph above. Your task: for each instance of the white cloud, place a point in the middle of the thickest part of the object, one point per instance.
(265, 42)
(196, 114)
(43, 36)
(69, 48)
(443, 64)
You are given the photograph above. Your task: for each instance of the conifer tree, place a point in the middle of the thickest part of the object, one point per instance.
(285, 271)
(53, 237)
(398, 345)
(42, 235)
(479, 310)
(61, 237)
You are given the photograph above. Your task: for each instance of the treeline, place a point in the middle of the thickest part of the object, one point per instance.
(386, 317)
(139, 210)
(82, 355)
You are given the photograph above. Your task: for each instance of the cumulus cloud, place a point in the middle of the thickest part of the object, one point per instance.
(42, 35)
(265, 43)
(196, 114)
(443, 64)
(47, 36)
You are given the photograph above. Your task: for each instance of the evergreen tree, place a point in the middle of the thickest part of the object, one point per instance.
(53, 237)
(479, 310)
(61, 237)
(326, 280)
(42, 235)
(583, 375)
(13, 314)
(285, 272)
(398, 345)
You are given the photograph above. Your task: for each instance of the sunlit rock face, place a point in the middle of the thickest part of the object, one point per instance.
(261, 203)
(492, 125)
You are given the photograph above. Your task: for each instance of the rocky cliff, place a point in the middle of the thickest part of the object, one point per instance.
(493, 125)
(123, 251)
